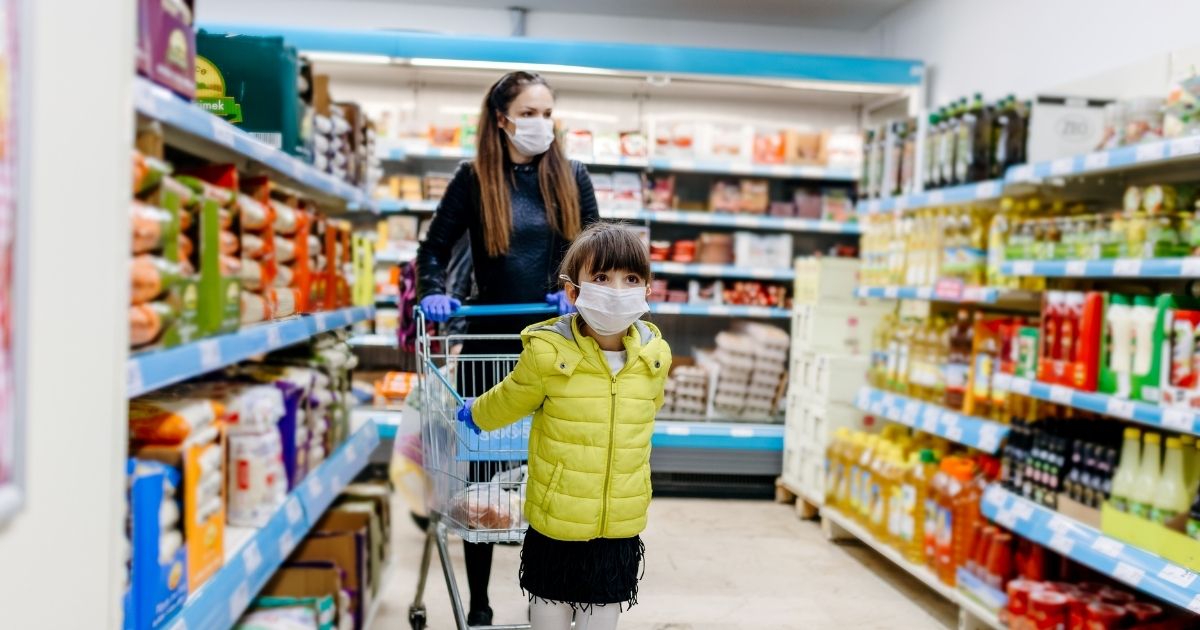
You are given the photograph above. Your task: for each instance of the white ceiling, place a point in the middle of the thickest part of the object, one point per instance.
(854, 15)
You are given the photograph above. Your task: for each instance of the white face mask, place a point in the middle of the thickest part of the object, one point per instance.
(610, 311)
(533, 135)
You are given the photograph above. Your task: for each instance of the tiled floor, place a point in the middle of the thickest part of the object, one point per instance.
(713, 565)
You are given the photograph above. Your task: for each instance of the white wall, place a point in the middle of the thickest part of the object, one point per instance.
(1027, 46)
(385, 14)
(60, 560)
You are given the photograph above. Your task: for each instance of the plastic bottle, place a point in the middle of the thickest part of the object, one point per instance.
(948, 137)
(863, 484)
(1072, 317)
(1171, 496)
(914, 492)
(1119, 316)
(1149, 472)
(854, 478)
(1191, 463)
(1145, 316)
(958, 361)
(1193, 524)
(983, 366)
(958, 508)
(835, 465)
(929, 169)
(1127, 471)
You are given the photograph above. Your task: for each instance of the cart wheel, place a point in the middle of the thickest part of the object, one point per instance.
(416, 617)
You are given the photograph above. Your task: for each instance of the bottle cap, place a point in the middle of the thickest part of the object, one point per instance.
(1143, 300)
(1118, 299)
(1152, 438)
(928, 456)
(1133, 434)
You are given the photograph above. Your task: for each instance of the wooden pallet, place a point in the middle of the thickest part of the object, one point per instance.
(788, 495)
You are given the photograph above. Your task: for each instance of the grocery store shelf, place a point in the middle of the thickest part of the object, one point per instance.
(395, 256)
(393, 206)
(990, 190)
(744, 436)
(719, 310)
(727, 219)
(1161, 152)
(979, 433)
(721, 271)
(374, 341)
(1139, 569)
(1166, 418)
(922, 573)
(1107, 268)
(154, 101)
(155, 369)
(963, 295)
(249, 566)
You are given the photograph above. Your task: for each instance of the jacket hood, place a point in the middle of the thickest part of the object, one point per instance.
(563, 333)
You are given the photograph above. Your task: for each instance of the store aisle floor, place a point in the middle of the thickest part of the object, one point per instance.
(712, 565)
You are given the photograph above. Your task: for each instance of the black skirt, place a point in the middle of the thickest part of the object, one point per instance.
(582, 573)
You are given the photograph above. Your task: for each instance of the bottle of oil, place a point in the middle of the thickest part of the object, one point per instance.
(914, 494)
(958, 361)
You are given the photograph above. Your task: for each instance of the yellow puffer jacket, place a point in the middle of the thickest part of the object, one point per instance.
(589, 446)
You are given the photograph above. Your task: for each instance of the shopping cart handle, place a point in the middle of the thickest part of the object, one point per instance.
(485, 310)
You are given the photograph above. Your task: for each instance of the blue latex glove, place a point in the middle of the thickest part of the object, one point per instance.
(438, 308)
(559, 300)
(464, 416)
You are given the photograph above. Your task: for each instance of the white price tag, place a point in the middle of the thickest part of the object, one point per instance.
(668, 309)
(864, 397)
(682, 165)
(286, 544)
(1061, 544)
(1002, 381)
(930, 423)
(1119, 408)
(274, 337)
(739, 220)
(741, 433)
(1021, 386)
(1178, 419)
(1060, 394)
(1062, 166)
(719, 309)
(1127, 267)
(210, 355)
(741, 168)
(711, 270)
(1184, 146)
(877, 407)
(682, 431)
(988, 442)
(320, 318)
(1189, 268)
(1095, 161)
(1022, 173)
(351, 452)
(987, 190)
(1128, 573)
(996, 496)
(924, 293)
(222, 132)
(911, 412)
(1149, 152)
(1006, 519)
(239, 600)
(133, 377)
(1076, 268)
(1058, 524)
(1108, 546)
(251, 558)
(954, 434)
(293, 510)
(891, 292)
(1194, 605)
(315, 488)
(901, 204)
(1022, 268)
(1177, 575)
(935, 198)
(1022, 510)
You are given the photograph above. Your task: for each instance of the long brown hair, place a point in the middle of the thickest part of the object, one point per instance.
(560, 194)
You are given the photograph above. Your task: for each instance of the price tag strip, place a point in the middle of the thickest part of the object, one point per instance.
(968, 430)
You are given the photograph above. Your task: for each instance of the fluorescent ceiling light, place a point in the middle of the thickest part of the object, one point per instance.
(505, 65)
(335, 57)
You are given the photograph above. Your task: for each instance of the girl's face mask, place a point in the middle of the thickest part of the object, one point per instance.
(609, 310)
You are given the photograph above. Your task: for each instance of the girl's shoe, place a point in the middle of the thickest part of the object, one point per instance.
(480, 617)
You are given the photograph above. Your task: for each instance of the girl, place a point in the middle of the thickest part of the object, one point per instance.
(593, 382)
(521, 202)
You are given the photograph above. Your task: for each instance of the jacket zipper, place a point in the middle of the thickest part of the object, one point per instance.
(612, 422)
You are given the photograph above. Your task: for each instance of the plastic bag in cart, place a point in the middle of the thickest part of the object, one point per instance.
(407, 465)
(496, 504)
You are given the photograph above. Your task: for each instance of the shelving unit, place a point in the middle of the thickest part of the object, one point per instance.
(986, 191)
(723, 219)
(393, 206)
(249, 565)
(1176, 150)
(720, 271)
(971, 615)
(1109, 268)
(195, 129)
(960, 295)
(1168, 418)
(148, 371)
(1141, 570)
(977, 433)
(719, 310)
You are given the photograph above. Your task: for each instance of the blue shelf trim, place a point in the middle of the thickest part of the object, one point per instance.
(1107, 268)
(609, 56)
(157, 102)
(970, 295)
(989, 190)
(723, 219)
(1165, 418)
(718, 310)
(978, 433)
(1103, 161)
(391, 206)
(718, 435)
(721, 271)
(1142, 570)
(227, 594)
(155, 369)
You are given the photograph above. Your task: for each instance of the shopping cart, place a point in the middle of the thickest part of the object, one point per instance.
(476, 483)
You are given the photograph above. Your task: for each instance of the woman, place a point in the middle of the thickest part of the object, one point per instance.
(522, 203)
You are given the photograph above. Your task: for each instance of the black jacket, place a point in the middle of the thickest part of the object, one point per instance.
(530, 269)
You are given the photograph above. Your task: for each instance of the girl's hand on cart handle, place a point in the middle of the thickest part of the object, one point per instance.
(438, 308)
(464, 416)
(559, 299)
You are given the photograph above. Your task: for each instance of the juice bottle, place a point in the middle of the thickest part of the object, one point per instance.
(1171, 497)
(964, 501)
(947, 486)
(1149, 472)
(958, 362)
(933, 488)
(1126, 474)
(914, 490)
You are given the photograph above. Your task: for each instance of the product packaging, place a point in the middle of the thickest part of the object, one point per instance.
(321, 582)
(163, 284)
(158, 572)
(214, 230)
(263, 73)
(1071, 343)
(166, 47)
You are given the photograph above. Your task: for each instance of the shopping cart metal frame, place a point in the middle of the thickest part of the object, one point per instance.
(450, 451)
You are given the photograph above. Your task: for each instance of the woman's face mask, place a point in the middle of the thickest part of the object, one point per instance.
(532, 137)
(612, 302)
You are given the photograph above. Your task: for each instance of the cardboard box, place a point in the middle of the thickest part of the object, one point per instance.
(339, 521)
(1064, 126)
(1071, 508)
(1167, 541)
(342, 549)
(157, 589)
(308, 581)
(168, 44)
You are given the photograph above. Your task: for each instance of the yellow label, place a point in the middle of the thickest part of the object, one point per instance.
(209, 82)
